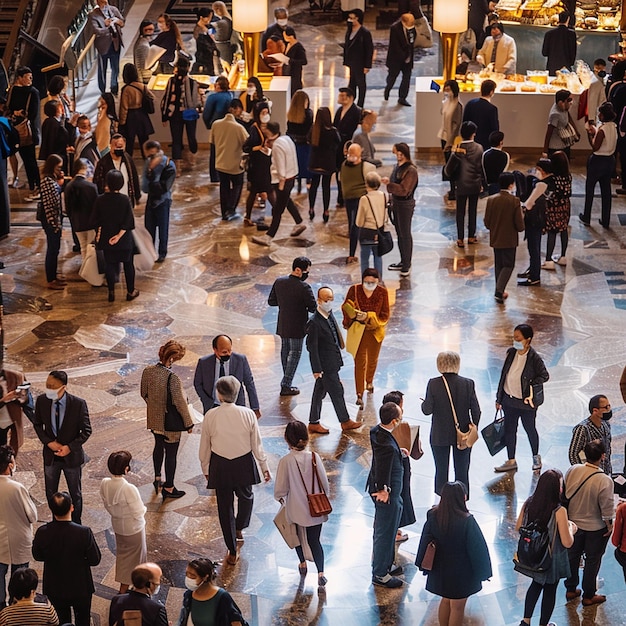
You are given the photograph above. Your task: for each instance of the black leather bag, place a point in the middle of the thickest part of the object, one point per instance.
(174, 421)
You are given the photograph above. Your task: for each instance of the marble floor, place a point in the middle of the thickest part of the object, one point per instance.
(216, 281)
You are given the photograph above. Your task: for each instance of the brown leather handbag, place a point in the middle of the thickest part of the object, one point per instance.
(319, 504)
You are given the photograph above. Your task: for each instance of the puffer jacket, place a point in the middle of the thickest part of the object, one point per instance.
(465, 167)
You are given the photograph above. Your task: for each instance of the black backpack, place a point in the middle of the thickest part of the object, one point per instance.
(534, 548)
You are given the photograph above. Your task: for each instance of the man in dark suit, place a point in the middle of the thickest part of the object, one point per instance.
(478, 11)
(62, 425)
(295, 300)
(107, 23)
(346, 121)
(400, 56)
(324, 343)
(384, 484)
(68, 552)
(358, 53)
(559, 45)
(224, 362)
(80, 195)
(483, 113)
(146, 579)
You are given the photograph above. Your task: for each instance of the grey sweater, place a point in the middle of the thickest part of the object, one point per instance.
(593, 504)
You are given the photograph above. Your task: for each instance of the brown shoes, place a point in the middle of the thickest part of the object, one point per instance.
(571, 595)
(351, 425)
(57, 284)
(318, 428)
(595, 600)
(231, 559)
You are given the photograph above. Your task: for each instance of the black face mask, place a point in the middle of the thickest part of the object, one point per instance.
(304, 276)
(225, 358)
(118, 152)
(607, 416)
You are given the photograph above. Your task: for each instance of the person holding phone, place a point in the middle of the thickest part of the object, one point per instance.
(15, 402)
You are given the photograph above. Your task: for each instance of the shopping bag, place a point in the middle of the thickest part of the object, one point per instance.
(89, 267)
(146, 255)
(493, 434)
(286, 527)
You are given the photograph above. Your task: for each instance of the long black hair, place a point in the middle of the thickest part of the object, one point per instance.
(546, 497)
(452, 504)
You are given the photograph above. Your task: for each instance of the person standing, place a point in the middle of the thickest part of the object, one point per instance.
(402, 36)
(85, 145)
(295, 300)
(478, 11)
(296, 53)
(14, 403)
(558, 209)
(462, 559)
(559, 46)
(558, 119)
(134, 119)
(295, 472)
(159, 174)
(483, 113)
(54, 136)
(118, 159)
(123, 502)
(346, 121)
(141, 50)
(499, 51)
(384, 485)
(324, 342)
(402, 185)
(504, 220)
(451, 120)
(18, 513)
(62, 425)
(495, 161)
(68, 551)
(161, 387)
(520, 393)
(619, 536)
(224, 33)
(80, 198)
(371, 216)
(299, 124)
(595, 427)
(107, 23)
(590, 494)
(224, 362)
(544, 509)
(281, 21)
(450, 398)
(207, 56)
(362, 137)
(170, 39)
(229, 444)
(216, 107)
(358, 53)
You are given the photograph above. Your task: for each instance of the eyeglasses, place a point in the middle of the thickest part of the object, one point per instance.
(606, 406)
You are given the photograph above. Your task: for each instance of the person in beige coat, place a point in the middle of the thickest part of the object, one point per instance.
(158, 383)
(17, 515)
(13, 404)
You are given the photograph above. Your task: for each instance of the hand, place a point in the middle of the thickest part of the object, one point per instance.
(267, 477)
(190, 430)
(70, 149)
(498, 406)
(63, 451)
(10, 397)
(609, 528)
(361, 316)
(114, 240)
(318, 374)
(366, 70)
(544, 155)
(257, 412)
(54, 446)
(572, 527)
(74, 118)
(404, 451)
(381, 496)
(281, 184)
(385, 180)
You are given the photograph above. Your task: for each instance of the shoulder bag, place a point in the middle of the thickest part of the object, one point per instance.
(383, 237)
(565, 501)
(319, 504)
(22, 124)
(147, 103)
(463, 440)
(568, 135)
(173, 422)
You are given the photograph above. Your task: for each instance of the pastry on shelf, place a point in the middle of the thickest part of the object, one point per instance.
(529, 87)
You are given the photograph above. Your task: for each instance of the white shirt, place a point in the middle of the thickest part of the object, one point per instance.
(513, 380)
(284, 159)
(124, 504)
(609, 143)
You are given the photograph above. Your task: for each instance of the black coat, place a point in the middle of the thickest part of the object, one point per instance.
(400, 49)
(323, 158)
(358, 52)
(559, 45)
(105, 164)
(54, 140)
(346, 126)
(297, 59)
(153, 613)
(324, 353)
(80, 198)
(386, 462)
(68, 552)
(295, 300)
(75, 430)
(112, 213)
(534, 373)
(485, 116)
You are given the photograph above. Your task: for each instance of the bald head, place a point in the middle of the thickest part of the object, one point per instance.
(354, 153)
(146, 576)
(408, 20)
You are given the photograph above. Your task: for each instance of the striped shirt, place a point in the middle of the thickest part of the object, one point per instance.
(29, 612)
(585, 432)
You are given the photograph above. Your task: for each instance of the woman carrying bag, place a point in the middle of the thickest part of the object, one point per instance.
(294, 479)
(371, 215)
(450, 398)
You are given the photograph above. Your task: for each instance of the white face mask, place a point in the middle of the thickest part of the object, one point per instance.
(352, 159)
(327, 307)
(251, 91)
(282, 22)
(518, 345)
(370, 286)
(265, 118)
(191, 583)
(52, 394)
(156, 590)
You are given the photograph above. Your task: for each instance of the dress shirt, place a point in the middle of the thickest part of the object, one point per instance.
(284, 159)
(226, 366)
(53, 410)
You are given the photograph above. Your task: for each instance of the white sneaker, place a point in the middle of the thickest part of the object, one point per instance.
(16, 183)
(298, 230)
(562, 261)
(262, 240)
(548, 265)
(509, 466)
(33, 197)
(536, 462)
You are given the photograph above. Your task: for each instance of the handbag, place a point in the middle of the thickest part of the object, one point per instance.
(89, 269)
(568, 135)
(190, 115)
(286, 527)
(319, 504)
(463, 440)
(384, 238)
(429, 557)
(22, 125)
(173, 422)
(408, 437)
(493, 434)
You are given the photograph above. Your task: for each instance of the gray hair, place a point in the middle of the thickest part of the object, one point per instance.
(227, 388)
(448, 362)
(372, 180)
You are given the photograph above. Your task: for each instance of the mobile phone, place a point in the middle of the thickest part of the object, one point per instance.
(23, 386)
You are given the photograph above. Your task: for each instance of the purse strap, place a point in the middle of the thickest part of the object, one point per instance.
(315, 475)
(372, 210)
(456, 421)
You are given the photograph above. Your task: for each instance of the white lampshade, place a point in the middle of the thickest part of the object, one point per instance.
(250, 16)
(450, 16)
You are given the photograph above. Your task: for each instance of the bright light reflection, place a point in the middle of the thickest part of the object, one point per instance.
(244, 251)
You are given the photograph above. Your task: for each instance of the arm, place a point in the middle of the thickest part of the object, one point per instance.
(92, 554)
(605, 500)
(425, 539)
(578, 442)
(312, 345)
(406, 185)
(135, 503)
(123, 105)
(474, 405)
(50, 201)
(428, 404)
(478, 550)
(321, 472)
(133, 170)
(30, 510)
(145, 183)
(38, 424)
(204, 452)
(368, 50)
(616, 538)
(248, 383)
(541, 373)
(257, 450)
(272, 299)
(519, 217)
(384, 460)
(520, 517)
(281, 482)
(546, 141)
(597, 140)
(511, 62)
(455, 126)
(539, 190)
(198, 379)
(38, 550)
(95, 25)
(179, 401)
(84, 428)
(566, 529)
(488, 213)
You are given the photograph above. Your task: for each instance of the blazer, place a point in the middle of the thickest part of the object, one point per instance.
(75, 430)
(386, 462)
(559, 45)
(485, 116)
(437, 404)
(54, 139)
(68, 551)
(104, 33)
(153, 613)
(80, 198)
(204, 380)
(324, 353)
(400, 51)
(534, 373)
(504, 220)
(358, 52)
(295, 300)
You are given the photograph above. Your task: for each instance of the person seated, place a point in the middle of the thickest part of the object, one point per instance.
(499, 51)
(26, 609)
(465, 59)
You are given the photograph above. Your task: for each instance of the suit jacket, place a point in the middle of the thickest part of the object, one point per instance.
(400, 48)
(559, 45)
(504, 219)
(324, 353)
(386, 462)
(54, 139)
(68, 552)
(104, 33)
(204, 380)
(153, 613)
(358, 52)
(485, 116)
(80, 198)
(295, 300)
(75, 430)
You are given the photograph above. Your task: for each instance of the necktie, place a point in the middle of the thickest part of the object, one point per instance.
(57, 416)
(222, 370)
(493, 52)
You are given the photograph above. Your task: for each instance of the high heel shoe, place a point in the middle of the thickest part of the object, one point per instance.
(370, 387)
(325, 216)
(311, 214)
(131, 295)
(175, 493)
(111, 296)
(359, 401)
(156, 483)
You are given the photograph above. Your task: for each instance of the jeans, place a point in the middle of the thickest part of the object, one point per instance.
(82, 611)
(112, 57)
(462, 200)
(52, 476)
(85, 237)
(533, 242)
(367, 250)
(280, 201)
(53, 247)
(403, 214)
(386, 522)
(112, 270)
(512, 415)
(329, 384)
(231, 186)
(593, 544)
(352, 207)
(170, 450)
(226, 512)
(177, 123)
(405, 83)
(4, 568)
(159, 217)
(461, 458)
(30, 165)
(313, 539)
(290, 352)
(503, 266)
(599, 170)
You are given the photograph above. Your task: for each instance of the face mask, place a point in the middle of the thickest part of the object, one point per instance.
(350, 22)
(52, 394)
(265, 118)
(225, 358)
(304, 276)
(251, 91)
(327, 307)
(156, 590)
(369, 286)
(191, 583)
(118, 152)
(282, 22)
(605, 417)
(518, 345)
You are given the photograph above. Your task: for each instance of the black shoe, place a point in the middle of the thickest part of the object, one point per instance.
(603, 224)
(156, 483)
(404, 103)
(75, 248)
(524, 274)
(499, 298)
(386, 94)
(391, 582)
(262, 226)
(174, 494)
(289, 391)
(111, 296)
(160, 259)
(582, 219)
(229, 217)
(1, 265)
(396, 571)
(131, 295)
(620, 191)
(529, 283)
(395, 267)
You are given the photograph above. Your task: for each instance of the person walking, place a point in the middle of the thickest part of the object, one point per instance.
(400, 52)
(544, 509)
(358, 53)
(134, 120)
(160, 387)
(450, 399)
(371, 215)
(520, 393)
(295, 472)
(107, 23)
(216, 106)
(123, 502)
(462, 558)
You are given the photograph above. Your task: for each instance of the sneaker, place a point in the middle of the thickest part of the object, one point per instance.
(16, 183)
(524, 274)
(529, 283)
(583, 220)
(405, 273)
(548, 265)
(262, 240)
(508, 466)
(391, 582)
(395, 267)
(562, 261)
(298, 230)
(536, 462)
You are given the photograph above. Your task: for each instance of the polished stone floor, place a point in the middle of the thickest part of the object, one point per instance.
(216, 281)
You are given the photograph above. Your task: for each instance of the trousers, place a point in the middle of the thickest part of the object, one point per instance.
(366, 361)
(73, 476)
(290, 353)
(230, 523)
(593, 544)
(329, 384)
(503, 266)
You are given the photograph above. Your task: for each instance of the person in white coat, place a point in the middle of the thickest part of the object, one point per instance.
(124, 504)
(18, 513)
(294, 480)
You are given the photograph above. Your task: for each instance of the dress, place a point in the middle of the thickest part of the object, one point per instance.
(558, 205)
(462, 559)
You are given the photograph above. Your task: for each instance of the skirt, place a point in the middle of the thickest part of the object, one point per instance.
(131, 551)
